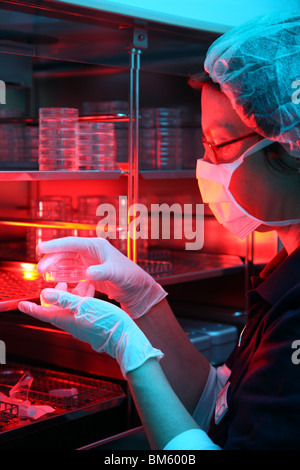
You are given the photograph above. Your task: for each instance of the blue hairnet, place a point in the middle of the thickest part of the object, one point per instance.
(257, 66)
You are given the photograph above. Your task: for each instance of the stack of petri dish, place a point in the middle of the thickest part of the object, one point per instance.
(156, 267)
(57, 139)
(96, 146)
(87, 214)
(11, 136)
(12, 144)
(31, 144)
(160, 139)
(115, 109)
(48, 208)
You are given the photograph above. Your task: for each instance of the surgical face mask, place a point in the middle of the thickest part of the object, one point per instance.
(214, 181)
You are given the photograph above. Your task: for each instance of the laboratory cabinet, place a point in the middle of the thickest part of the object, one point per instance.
(128, 75)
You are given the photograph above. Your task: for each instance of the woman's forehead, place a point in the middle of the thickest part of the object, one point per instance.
(218, 117)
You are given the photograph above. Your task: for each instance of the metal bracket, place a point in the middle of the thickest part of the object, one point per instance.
(140, 38)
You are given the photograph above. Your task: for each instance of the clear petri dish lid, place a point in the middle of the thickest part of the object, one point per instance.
(156, 266)
(57, 132)
(57, 143)
(114, 106)
(55, 123)
(87, 205)
(57, 165)
(167, 145)
(96, 138)
(57, 111)
(95, 127)
(97, 155)
(58, 152)
(65, 274)
(102, 147)
(167, 130)
(161, 111)
(58, 200)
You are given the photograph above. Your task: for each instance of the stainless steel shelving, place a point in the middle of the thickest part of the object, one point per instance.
(58, 175)
(195, 266)
(24, 175)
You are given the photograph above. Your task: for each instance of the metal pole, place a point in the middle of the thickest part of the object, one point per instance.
(140, 42)
(140, 38)
(133, 147)
(136, 150)
(130, 147)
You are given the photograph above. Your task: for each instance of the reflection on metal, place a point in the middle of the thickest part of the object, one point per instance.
(61, 225)
(140, 41)
(118, 117)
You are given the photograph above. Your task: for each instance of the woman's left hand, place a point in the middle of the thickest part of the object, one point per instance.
(106, 327)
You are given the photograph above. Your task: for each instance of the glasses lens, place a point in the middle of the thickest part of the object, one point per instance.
(210, 152)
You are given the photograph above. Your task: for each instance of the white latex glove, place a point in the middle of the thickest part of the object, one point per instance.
(101, 324)
(83, 289)
(110, 271)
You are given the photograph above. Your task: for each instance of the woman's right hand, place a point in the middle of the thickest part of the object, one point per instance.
(107, 269)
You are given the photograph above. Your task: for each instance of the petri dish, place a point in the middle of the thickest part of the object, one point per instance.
(57, 133)
(58, 112)
(57, 144)
(65, 274)
(90, 127)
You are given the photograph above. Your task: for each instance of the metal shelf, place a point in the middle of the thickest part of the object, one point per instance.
(82, 34)
(58, 175)
(92, 395)
(22, 281)
(36, 175)
(195, 266)
(99, 117)
(168, 174)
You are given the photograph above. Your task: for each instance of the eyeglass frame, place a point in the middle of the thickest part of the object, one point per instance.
(213, 147)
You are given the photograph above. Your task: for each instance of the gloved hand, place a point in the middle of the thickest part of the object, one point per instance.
(83, 289)
(110, 271)
(101, 324)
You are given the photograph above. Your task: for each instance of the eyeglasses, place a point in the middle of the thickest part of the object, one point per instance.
(211, 149)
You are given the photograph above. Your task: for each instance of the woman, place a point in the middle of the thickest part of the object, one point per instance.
(250, 183)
